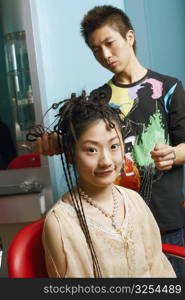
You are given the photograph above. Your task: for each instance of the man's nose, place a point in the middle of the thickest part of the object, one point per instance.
(106, 53)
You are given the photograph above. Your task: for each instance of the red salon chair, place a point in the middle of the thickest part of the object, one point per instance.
(26, 254)
(25, 257)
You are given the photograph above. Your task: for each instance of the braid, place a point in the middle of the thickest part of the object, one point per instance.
(79, 207)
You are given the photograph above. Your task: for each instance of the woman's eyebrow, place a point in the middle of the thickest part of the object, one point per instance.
(96, 142)
(90, 142)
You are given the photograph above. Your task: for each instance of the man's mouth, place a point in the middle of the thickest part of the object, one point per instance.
(112, 64)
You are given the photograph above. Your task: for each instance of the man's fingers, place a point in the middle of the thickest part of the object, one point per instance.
(48, 144)
(39, 145)
(159, 146)
(164, 157)
(55, 144)
(164, 164)
(164, 168)
(45, 143)
(166, 152)
(54, 147)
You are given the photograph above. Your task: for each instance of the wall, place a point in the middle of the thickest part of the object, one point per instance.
(166, 36)
(160, 29)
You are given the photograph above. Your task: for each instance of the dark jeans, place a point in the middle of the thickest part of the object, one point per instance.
(176, 237)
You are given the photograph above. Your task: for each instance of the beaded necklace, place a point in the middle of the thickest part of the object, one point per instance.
(93, 203)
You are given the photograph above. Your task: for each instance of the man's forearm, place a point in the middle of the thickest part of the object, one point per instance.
(180, 154)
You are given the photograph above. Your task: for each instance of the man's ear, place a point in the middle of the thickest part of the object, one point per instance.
(130, 36)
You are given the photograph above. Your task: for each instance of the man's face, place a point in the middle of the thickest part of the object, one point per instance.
(111, 50)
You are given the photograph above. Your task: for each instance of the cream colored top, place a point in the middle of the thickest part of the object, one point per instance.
(135, 252)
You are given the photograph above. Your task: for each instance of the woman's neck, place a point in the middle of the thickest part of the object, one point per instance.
(99, 194)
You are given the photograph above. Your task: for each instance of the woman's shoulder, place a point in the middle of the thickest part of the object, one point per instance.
(63, 204)
(55, 206)
(127, 191)
(131, 195)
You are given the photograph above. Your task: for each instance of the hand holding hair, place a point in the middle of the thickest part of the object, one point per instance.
(164, 156)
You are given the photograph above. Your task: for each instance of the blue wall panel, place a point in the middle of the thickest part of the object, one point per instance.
(160, 27)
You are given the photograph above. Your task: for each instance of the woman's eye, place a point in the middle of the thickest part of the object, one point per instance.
(92, 150)
(115, 146)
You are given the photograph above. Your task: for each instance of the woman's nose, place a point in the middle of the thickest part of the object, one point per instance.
(105, 159)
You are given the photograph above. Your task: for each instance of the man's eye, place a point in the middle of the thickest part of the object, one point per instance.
(110, 43)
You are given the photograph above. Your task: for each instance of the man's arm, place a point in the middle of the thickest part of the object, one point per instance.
(48, 144)
(165, 156)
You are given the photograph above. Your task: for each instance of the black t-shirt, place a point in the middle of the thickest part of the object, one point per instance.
(155, 112)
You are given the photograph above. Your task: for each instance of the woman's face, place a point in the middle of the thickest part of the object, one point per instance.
(99, 155)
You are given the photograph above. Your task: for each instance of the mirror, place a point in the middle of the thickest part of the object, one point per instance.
(17, 112)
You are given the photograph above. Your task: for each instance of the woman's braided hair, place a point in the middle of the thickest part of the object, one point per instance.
(74, 116)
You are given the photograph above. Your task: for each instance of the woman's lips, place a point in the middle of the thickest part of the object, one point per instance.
(104, 173)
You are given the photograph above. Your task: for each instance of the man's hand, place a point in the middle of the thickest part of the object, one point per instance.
(48, 144)
(164, 156)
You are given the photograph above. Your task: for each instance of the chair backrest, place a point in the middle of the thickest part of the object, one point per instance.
(174, 250)
(26, 254)
(30, 160)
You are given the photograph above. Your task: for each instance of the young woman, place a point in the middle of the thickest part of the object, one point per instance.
(98, 229)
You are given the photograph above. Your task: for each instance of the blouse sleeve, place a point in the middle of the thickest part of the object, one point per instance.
(53, 247)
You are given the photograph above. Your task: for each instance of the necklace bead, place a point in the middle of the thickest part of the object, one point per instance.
(93, 203)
